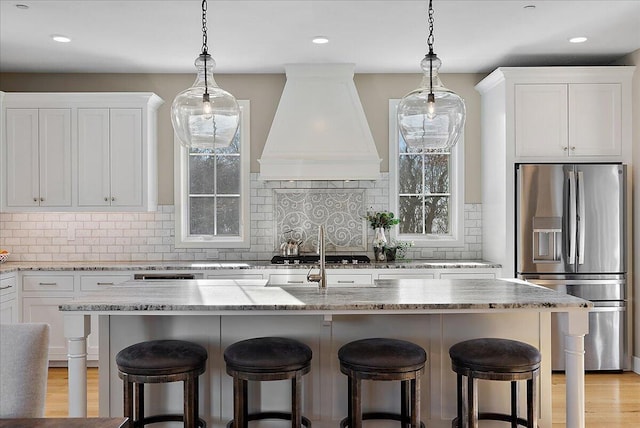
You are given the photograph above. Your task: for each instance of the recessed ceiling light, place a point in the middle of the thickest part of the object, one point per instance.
(22, 6)
(580, 39)
(320, 40)
(60, 38)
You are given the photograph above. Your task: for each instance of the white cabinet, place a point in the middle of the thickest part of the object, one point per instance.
(38, 157)
(79, 151)
(41, 295)
(8, 299)
(545, 114)
(110, 164)
(568, 120)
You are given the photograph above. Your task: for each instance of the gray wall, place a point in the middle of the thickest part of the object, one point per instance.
(264, 92)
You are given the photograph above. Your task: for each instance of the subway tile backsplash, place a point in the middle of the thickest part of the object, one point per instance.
(149, 236)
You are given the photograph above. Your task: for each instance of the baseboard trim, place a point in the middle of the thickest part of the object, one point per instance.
(636, 364)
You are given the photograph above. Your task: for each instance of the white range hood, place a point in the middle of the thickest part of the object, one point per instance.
(320, 131)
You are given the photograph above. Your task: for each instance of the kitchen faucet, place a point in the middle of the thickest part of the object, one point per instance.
(321, 277)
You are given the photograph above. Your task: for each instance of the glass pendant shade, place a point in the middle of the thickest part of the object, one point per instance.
(205, 116)
(432, 116)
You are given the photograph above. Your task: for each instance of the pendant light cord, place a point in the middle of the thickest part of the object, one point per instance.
(205, 50)
(430, 44)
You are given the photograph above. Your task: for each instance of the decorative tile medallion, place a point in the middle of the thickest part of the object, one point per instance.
(300, 212)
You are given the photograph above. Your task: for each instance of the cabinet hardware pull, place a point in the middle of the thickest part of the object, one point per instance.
(565, 148)
(106, 199)
(6, 287)
(47, 283)
(35, 199)
(346, 282)
(105, 283)
(113, 199)
(295, 282)
(41, 199)
(573, 147)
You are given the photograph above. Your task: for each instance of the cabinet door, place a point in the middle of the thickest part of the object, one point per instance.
(45, 309)
(9, 312)
(595, 121)
(541, 124)
(22, 158)
(126, 157)
(93, 157)
(55, 157)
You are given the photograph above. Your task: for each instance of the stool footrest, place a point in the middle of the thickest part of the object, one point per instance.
(493, 417)
(167, 418)
(271, 415)
(379, 415)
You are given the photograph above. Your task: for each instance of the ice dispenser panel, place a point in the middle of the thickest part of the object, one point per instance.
(547, 239)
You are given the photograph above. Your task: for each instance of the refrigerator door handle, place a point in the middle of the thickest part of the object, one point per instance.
(572, 217)
(581, 219)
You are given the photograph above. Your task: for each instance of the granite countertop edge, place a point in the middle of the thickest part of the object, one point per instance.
(9, 267)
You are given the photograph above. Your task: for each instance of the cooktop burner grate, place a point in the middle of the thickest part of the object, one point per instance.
(314, 258)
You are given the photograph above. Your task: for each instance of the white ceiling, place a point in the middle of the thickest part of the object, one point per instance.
(164, 36)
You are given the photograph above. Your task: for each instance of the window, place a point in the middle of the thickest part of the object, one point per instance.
(212, 193)
(426, 191)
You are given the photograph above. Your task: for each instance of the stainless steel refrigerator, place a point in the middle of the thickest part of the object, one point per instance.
(571, 237)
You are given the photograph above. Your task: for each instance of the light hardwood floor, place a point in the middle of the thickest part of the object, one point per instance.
(612, 400)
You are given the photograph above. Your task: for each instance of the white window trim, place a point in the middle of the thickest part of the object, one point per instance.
(456, 238)
(181, 194)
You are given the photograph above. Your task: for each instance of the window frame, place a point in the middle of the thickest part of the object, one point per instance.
(181, 193)
(456, 187)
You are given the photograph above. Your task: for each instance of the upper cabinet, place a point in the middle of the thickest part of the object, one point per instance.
(79, 151)
(568, 120)
(38, 157)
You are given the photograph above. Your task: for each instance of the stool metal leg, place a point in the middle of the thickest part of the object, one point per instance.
(239, 403)
(356, 403)
(296, 392)
(405, 396)
(190, 406)
(128, 403)
(532, 404)
(470, 405)
(139, 403)
(514, 404)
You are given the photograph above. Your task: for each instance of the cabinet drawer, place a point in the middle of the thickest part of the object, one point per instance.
(349, 280)
(47, 283)
(235, 276)
(288, 279)
(406, 276)
(7, 286)
(95, 282)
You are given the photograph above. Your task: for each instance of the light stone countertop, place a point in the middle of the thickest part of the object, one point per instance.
(397, 296)
(249, 265)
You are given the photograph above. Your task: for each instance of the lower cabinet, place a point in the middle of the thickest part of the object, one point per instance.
(8, 299)
(45, 309)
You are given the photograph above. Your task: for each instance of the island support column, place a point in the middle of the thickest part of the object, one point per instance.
(576, 326)
(76, 330)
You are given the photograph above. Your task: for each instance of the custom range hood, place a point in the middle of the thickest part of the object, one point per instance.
(320, 131)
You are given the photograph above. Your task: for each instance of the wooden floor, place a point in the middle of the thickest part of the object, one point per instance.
(612, 400)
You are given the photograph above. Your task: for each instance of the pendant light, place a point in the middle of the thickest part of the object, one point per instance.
(205, 116)
(432, 116)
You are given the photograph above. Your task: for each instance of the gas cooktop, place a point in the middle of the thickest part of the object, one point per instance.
(314, 258)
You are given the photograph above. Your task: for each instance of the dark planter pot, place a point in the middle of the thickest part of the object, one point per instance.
(390, 254)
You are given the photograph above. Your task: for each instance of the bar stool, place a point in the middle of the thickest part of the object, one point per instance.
(385, 360)
(494, 359)
(265, 359)
(161, 361)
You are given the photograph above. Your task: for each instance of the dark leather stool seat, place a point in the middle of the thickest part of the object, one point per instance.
(161, 361)
(266, 359)
(384, 360)
(500, 360)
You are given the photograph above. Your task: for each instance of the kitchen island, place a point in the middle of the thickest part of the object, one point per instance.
(432, 313)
